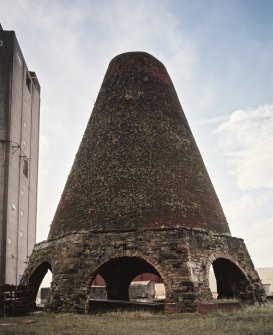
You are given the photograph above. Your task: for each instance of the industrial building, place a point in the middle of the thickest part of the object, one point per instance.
(19, 148)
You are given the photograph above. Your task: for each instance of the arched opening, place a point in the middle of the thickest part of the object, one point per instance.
(40, 281)
(98, 288)
(127, 278)
(228, 281)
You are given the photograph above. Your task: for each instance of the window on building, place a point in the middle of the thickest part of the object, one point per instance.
(25, 168)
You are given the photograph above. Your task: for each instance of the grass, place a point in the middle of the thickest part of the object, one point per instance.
(248, 321)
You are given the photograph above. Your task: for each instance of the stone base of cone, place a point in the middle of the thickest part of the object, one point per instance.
(181, 257)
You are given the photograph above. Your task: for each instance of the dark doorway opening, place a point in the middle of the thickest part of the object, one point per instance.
(231, 282)
(36, 282)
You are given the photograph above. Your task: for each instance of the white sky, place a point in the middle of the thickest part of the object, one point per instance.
(219, 55)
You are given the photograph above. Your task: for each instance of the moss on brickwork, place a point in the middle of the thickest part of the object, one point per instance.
(139, 200)
(184, 271)
(138, 164)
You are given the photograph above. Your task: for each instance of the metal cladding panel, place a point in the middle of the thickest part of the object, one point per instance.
(138, 165)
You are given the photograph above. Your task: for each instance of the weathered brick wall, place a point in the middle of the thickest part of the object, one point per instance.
(182, 258)
(138, 164)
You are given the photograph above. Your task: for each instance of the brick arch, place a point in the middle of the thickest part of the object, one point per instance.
(136, 257)
(149, 259)
(232, 281)
(36, 275)
(219, 254)
(35, 264)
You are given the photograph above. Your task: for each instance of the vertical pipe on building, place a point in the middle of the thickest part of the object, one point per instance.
(37, 164)
(29, 166)
(5, 214)
(20, 167)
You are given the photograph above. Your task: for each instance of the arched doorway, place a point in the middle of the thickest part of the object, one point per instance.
(37, 277)
(120, 275)
(230, 281)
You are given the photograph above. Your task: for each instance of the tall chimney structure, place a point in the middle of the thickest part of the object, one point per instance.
(139, 200)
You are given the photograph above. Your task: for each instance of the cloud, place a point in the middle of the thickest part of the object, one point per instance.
(45, 146)
(251, 218)
(216, 119)
(262, 241)
(249, 144)
(246, 142)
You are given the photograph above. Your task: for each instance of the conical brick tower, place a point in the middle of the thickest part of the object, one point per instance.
(139, 200)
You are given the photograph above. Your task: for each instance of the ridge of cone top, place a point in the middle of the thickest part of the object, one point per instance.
(138, 166)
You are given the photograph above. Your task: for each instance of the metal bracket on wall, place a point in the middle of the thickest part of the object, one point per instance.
(15, 148)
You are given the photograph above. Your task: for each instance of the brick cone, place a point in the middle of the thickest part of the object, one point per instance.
(138, 165)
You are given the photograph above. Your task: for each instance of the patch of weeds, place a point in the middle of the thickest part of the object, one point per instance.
(227, 301)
